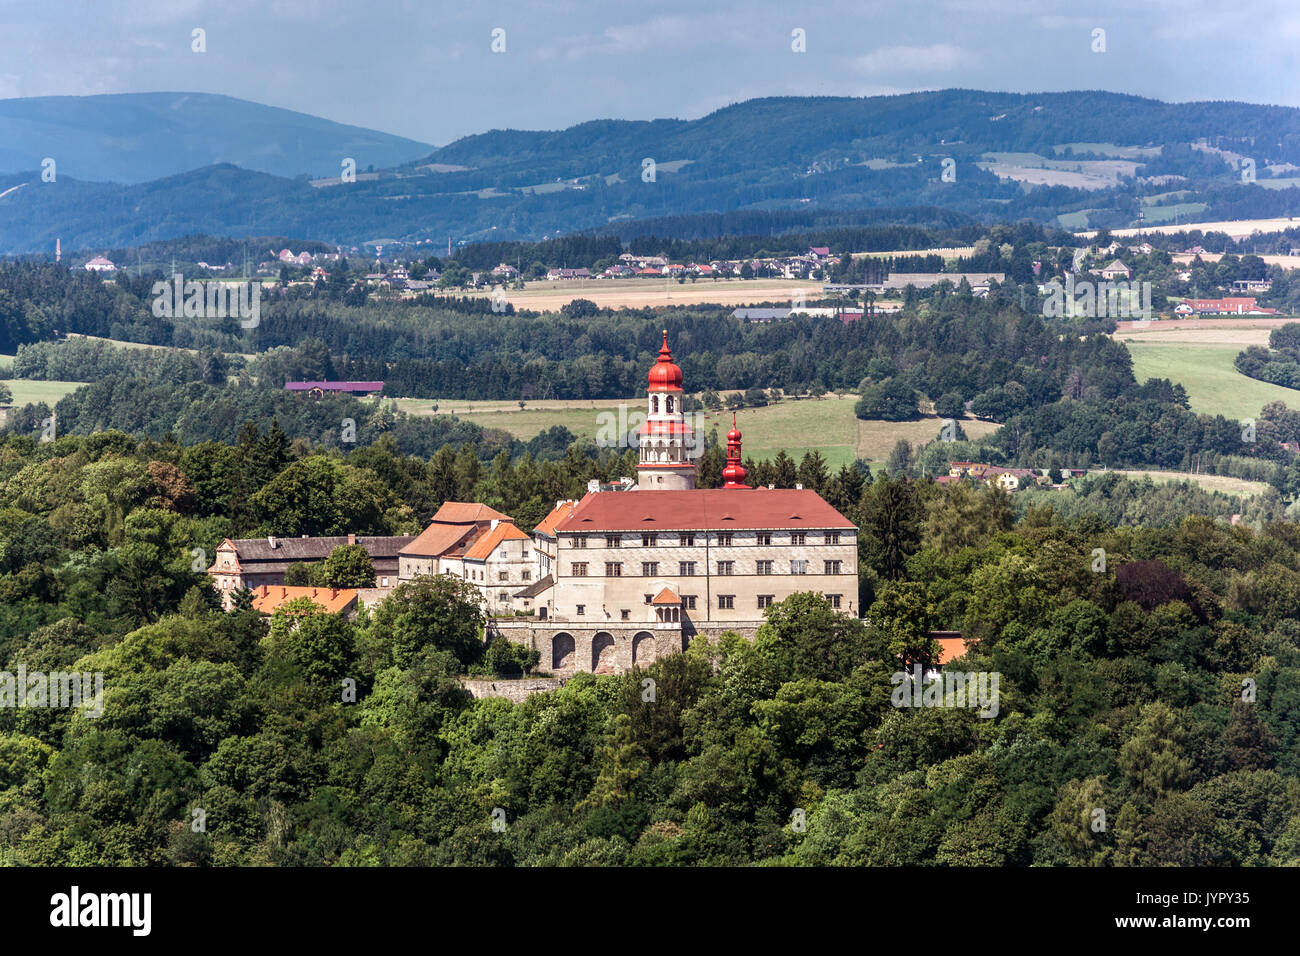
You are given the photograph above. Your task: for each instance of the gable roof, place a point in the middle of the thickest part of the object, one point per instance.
(722, 509)
(666, 596)
(466, 512)
(438, 539)
(547, 525)
(333, 600)
(311, 548)
(504, 531)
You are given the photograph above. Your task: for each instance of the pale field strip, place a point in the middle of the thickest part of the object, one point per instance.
(1236, 228)
(1223, 483)
(1241, 332)
(543, 296)
(1285, 262)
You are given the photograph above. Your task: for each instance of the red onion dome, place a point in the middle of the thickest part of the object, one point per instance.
(733, 476)
(664, 374)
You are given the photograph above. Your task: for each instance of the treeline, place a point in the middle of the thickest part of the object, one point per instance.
(89, 360)
(1119, 686)
(1279, 363)
(193, 412)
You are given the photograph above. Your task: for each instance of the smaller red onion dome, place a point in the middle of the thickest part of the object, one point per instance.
(664, 374)
(733, 476)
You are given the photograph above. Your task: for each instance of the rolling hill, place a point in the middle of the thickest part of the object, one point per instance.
(1077, 159)
(136, 137)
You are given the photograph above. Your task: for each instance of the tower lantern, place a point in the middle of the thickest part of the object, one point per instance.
(666, 439)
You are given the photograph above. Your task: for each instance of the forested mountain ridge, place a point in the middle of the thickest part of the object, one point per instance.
(136, 137)
(1102, 156)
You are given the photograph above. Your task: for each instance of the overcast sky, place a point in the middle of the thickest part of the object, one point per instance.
(426, 70)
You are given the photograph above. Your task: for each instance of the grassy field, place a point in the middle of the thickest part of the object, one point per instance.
(826, 425)
(28, 391)
(1229, 486)
(1206, 371)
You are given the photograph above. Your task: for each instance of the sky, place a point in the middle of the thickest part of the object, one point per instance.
(428, 71)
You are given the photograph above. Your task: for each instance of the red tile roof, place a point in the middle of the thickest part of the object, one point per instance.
(666, 596)
(438, 539)
(485, 545)
(547, 525)
(465, 512)
(267, 599)
(703, 509)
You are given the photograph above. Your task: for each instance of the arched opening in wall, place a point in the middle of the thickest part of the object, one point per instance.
(668, 400)
(562, 651)
(602, 653)
(654, 404)
(643, 649)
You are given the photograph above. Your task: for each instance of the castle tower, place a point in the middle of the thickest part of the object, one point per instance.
(733, 476)
(666, 439)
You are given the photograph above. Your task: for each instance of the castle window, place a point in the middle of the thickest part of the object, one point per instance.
(798, 567)
(668, 404)
(798, 537)
(832, 537)
(724, 539)
(649, 568)
(613, 541)
(764, 567)
(687, 540)
(688, 602)
(832, 567)
(580, 569)
(726, 567)
(764, 539)
(528, 575)
(627, 615)
(613, 569)
(580, 610)
(649, 540)
(834, 600)
(686, 569)
(654, 404)
(649, 598)
(579, 540)
(765, 601)
(726, 602)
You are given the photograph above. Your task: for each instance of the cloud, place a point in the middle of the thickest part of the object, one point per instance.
(943, 57)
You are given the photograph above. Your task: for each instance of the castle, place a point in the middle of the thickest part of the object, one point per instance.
(622, 577)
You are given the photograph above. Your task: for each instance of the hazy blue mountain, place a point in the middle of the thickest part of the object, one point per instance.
(136, 137)
(1071, 159)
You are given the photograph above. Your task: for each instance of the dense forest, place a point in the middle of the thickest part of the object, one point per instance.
(1161, 686)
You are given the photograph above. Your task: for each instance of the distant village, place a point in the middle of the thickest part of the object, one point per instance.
(1098, 262)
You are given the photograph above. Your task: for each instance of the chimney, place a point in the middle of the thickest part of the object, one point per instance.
(284, 593)
(334, 592)
(270, 539)
(352, 538)
(493, 527)
(798, 486)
